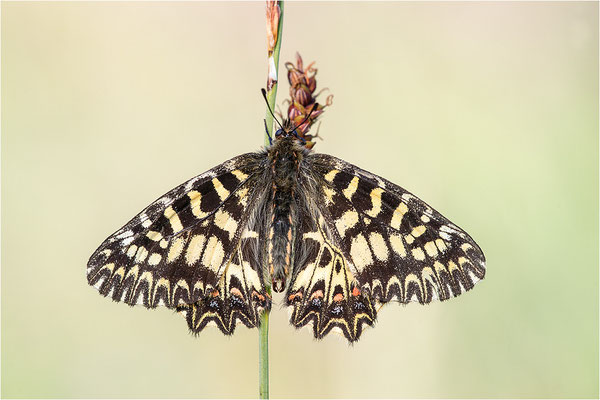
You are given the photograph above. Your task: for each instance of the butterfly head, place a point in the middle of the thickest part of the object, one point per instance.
(288, 131)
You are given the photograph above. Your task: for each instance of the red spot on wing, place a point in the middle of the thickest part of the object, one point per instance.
(258, 296)
(291, 297)
(236, 292)
(317, 294)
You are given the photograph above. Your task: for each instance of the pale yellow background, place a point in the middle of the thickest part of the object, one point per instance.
(487, 111)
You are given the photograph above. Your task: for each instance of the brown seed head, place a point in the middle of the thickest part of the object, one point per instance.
(302, 98)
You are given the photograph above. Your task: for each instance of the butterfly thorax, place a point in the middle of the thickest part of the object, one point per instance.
(285, 156)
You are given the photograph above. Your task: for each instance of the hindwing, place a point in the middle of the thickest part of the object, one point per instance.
(240, 293)
(185, 250)
(323, 290)
(397, 246)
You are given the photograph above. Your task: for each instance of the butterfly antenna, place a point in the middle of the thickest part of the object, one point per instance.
(264, 93)
(307, 117)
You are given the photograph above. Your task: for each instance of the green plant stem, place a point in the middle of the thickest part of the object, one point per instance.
(263, 334)
(263, 356)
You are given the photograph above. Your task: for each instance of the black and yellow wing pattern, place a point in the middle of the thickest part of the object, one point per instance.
(338, 240)
(189, 250)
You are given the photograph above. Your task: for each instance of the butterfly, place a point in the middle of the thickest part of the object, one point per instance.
(338, 240)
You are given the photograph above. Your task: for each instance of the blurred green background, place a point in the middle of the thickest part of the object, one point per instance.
(488, 111)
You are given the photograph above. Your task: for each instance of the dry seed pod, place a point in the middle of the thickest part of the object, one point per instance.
(302, 98)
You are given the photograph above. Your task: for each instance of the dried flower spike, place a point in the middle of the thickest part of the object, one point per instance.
(302, 98)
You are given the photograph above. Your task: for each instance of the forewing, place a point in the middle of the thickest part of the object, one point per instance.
(397, 246)
(176, 251)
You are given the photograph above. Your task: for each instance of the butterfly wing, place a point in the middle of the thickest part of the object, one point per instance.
(389, 244)
(184, 250)
(323, 290)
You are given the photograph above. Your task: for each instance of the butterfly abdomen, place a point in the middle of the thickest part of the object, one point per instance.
(285, 157)
(280, 240)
